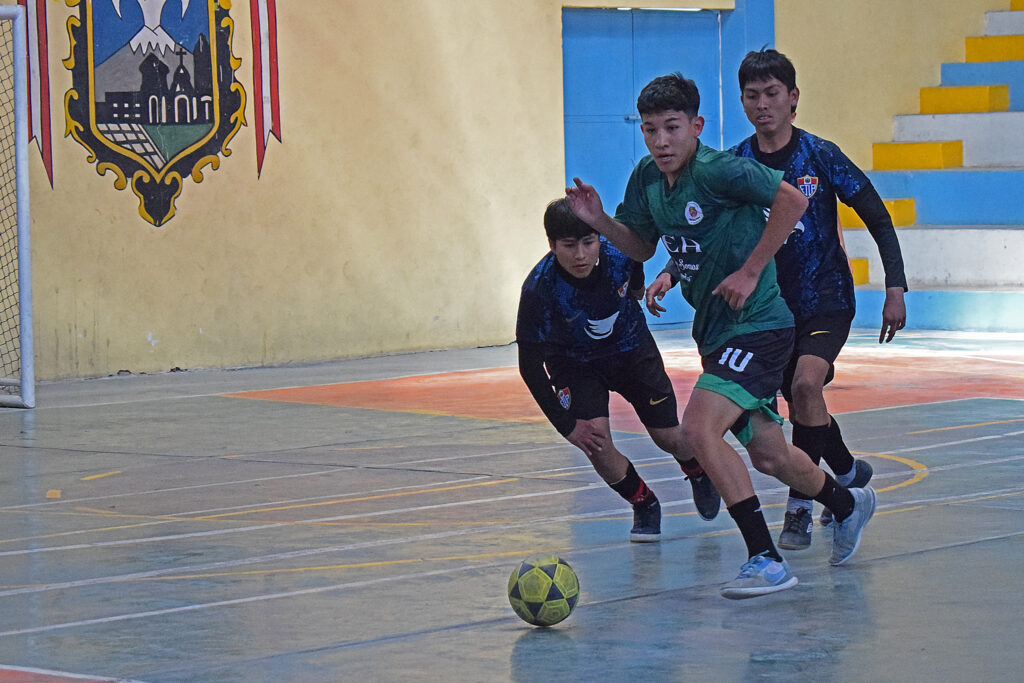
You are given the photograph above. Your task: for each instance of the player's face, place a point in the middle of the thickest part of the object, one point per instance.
(671, 138)
(769, 105)
(577, 256)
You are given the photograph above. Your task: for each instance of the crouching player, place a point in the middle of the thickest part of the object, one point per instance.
(581, 334)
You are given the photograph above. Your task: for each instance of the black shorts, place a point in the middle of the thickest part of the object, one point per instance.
(638, 376)
(823, 336)
(748, 371)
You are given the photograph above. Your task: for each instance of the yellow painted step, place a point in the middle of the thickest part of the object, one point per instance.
(965, 98)
(994, 48)
(894, 156)
(1017, 5)
(903, 212)
(859, 268)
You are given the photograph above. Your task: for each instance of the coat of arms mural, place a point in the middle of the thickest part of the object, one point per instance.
(154, 97)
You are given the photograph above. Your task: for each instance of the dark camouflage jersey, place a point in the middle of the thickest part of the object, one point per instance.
(582, 319)
(813, 271)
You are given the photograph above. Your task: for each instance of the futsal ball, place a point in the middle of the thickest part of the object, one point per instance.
(543, 590)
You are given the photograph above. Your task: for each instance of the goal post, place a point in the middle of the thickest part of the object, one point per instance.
(17, 371)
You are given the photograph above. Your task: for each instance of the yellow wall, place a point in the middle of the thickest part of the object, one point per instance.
(860, 63)
(422, 139)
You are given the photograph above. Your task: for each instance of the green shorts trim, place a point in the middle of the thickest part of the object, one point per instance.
(744, 399)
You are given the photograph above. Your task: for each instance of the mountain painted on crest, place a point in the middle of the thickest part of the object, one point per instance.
(120, 71)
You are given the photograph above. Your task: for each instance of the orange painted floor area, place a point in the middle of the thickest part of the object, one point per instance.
(866, 378)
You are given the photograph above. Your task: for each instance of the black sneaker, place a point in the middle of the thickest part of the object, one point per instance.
(861, 476)
(796, 531)
(646, 523)
(705, 497)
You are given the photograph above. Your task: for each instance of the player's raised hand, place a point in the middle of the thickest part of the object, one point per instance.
(656, 292)
(587, 437)
(584, 201)
(735, 289)
(894, 314)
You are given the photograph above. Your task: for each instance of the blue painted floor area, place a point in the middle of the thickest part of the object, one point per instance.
(948, 309)
(156, 530)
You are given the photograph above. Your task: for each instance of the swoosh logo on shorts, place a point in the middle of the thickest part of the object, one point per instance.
(819, 332)
(660, 400)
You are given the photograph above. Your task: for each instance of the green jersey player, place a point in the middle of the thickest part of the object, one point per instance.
(707, 207)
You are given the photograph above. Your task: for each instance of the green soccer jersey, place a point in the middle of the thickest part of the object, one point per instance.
(710, 221)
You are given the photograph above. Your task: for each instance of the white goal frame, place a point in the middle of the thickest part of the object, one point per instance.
(26, 381)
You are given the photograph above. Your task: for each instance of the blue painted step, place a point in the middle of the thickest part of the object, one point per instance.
(958, 196)
(989, 73)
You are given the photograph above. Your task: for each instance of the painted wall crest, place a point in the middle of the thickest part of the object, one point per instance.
(154, 97)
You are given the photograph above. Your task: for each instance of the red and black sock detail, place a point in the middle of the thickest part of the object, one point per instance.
(634, 489)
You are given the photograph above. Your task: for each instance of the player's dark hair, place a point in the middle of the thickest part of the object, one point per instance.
(765, 64)
(561, 223)
(673, 92)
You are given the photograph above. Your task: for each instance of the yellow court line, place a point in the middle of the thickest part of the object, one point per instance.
(976, 424)
(920, 470)
(339, 567)
(353, 500)
(100, 476)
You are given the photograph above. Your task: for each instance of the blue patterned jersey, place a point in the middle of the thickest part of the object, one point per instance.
(813, 271)
(582, 319)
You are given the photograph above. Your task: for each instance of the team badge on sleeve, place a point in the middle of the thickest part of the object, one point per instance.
(564, 398)
(808, 184)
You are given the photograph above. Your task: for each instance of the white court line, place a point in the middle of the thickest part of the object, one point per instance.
(381, 580)
(403, 510)
(380, 542)
(946, 444)
(357, 467)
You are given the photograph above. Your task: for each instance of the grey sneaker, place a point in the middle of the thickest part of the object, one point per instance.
(861, 476)
(759, 576)
(848, 532)
(646, 523)
(796, 530)
(705, 497)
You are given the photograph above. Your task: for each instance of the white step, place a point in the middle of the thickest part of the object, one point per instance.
(948, 256)
(1004, 23)
(990, 138)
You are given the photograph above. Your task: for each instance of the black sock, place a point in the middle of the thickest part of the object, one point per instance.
(811, 440)
(836, 454)
(633, 489)
(836, 498)
(748, 517)
(691, 468)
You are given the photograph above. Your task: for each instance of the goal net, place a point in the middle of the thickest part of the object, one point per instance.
(17, 387)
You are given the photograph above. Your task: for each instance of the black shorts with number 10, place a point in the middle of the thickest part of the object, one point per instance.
(638, 376)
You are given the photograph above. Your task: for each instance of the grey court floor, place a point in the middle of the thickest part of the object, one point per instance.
(154, 529)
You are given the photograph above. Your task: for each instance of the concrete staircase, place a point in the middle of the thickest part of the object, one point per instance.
(956, 173)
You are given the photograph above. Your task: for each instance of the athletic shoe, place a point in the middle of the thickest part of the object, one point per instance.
(848, 532)
(705, 497)
(759, 576)
(646, 523)
(861, 476)
(796, 531)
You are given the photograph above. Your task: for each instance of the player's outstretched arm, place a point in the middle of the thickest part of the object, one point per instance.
(787, 208)
(586, 204)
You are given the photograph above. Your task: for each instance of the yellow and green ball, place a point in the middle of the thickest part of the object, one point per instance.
(543, 590)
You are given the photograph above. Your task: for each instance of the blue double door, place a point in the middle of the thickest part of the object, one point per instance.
(608, 56)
